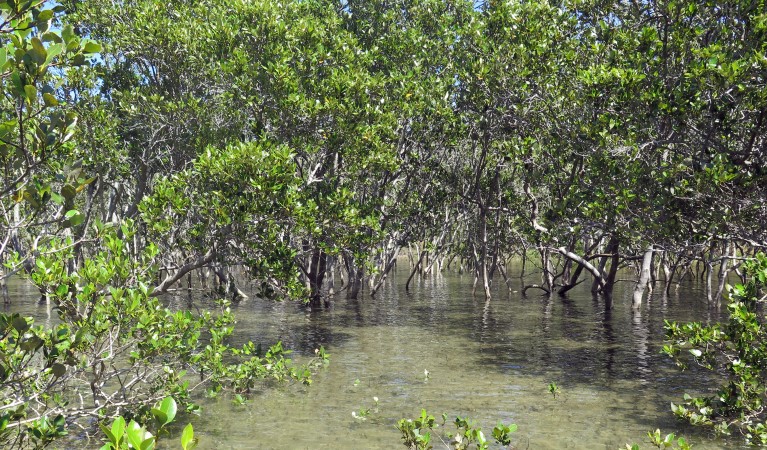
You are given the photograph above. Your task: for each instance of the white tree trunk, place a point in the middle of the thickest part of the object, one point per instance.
(644, 277)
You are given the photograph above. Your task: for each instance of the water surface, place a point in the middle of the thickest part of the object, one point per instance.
(490, 360)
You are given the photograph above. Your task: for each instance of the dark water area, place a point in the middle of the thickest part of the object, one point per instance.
(489, 360)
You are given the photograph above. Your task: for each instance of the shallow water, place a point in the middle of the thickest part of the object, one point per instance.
(490, 360)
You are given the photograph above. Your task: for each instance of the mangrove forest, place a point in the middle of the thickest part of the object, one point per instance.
(355, 224)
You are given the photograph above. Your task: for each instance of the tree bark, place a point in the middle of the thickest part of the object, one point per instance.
(355, 275)
(389, 265)
(316, 275)
(599, 279)
(4, 288)
(644, 277)
(723, 271)
(415, 269)
(609, 282)
(183, 270)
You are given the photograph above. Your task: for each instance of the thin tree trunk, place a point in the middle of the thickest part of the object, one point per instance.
(502, 270)
(644, 277)
(356, 283)
(355, 275)
(415, 269)
(573, 281)
(599, 279)
(723, 272)
(316, 275)
(483, 252)
(331, 276)
(548, 271)
(524, 261)
(709, 278)
(389, 265)
(232, 288)
(607, 289)
(4, 288)
(183, 270)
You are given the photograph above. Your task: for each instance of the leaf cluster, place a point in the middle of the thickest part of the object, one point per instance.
(736, 349)
(417, 433)
(116, 350)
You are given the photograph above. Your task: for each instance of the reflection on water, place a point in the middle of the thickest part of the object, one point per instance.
(490, 360)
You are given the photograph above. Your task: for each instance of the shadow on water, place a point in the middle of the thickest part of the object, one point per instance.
(488, 359)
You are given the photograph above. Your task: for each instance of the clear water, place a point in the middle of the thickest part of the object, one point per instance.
(490, 360)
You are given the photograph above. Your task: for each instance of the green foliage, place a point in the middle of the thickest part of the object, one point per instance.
(111, 325)
(275, 110)
(131, 435)
(468, 433)
(363, 413)
(286, 136)
(502, 433)
(736, 349)
(417, 433)
(188, 441)
(247, 192)
(554, 389)
(125, 436)
(30, 49)
(165, 411)
(583, 119)
(40, 177)
(669, 441)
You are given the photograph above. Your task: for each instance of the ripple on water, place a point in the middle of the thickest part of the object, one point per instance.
(490, 360)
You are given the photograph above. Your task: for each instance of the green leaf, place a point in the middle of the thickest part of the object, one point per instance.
(68, 191)
(50, 100)
(31, 344)
(78, 60)
(85, 183)
(68, 34)
(148, 444)
(18, 85)
(52, 37)
(92, 47)
(30, 195)
(159, 416)
(20, 324)
(74, 217)
(31, 92)
(112, 439)
(45, 15)
(40, 54)
(54, 51)
(118, 428)
(169, 407)
(135, 434)
(188, 441)
(7, 127)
